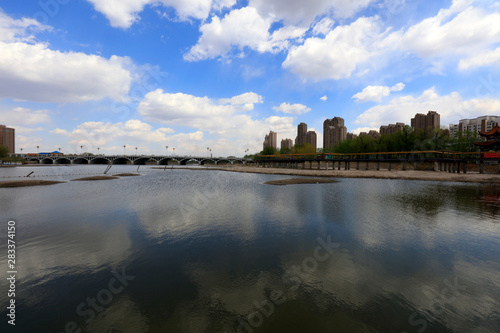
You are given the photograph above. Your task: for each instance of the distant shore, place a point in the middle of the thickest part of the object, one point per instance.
(382, 174)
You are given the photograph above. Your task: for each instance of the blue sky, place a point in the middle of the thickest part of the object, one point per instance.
(192, 74)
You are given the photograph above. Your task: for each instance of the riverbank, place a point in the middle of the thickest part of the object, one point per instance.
(382, 174)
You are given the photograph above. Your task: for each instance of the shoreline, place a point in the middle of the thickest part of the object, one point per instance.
(371, 174)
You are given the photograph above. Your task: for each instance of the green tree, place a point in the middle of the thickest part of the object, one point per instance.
(303, 149)
(268, 150)
(3, 151)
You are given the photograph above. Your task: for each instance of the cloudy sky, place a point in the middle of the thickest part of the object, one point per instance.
(192, 74)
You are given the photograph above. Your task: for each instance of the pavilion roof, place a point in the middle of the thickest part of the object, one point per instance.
(493, 132)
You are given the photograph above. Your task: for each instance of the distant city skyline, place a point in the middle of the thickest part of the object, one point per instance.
(222, 74)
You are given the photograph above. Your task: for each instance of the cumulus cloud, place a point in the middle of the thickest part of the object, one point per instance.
(12, 30)
(239, 29)
(461, 30)
(95, 134)
(376, 93)
(323, 27)
(36, 73)
(22, 116)
(324, 98)
(337, 55)
(304, 12)
(451, 107)
(482, 59)
(247, 100)
(223, 119)
(32, 71)
(296, 109)
(122, 14)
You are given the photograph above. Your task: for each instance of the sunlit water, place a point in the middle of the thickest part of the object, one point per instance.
(212, 251)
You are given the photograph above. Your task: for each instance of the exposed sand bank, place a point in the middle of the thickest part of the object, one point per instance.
(96, 178)
(127, 175)
(31, 182)
(293, 181)
(382, 174)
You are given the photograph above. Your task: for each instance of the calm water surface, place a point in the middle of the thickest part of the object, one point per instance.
(212, 251)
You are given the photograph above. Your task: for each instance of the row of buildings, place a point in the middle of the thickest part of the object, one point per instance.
(476, 125)
(335, 131)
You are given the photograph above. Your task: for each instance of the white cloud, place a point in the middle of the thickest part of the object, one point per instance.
(324, 98)
(481, 59)
(451, 108)
(247, 100)
(12, 30)
(323, 27)
(36, 73)
(227, 122)
(337, 55)
(376, 93)
(124, 13)
(363, 129)
(22, 116)
(239, 29)
(100, 134)
(296, 109)
(459, 30)
(304, 12)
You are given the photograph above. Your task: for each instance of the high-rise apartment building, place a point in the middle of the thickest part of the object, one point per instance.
(271, 140)
(426, 122)
(311, 139)
(287, 144)
(476, 125)
(334, 132)
(8, 138)
(391, 128)
(301, 134)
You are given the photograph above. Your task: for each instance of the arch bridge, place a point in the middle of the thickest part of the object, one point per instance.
(135, 159)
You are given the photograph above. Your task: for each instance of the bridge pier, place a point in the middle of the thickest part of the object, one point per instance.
(436, 166)
(340, 162)
(357, 165)
(403, 168)
(367, 166)
(389, 168)
(464, 168)
(414, 165)
(378, 165)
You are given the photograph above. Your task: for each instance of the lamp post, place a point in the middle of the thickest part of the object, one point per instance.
(124, 146)
(173, 149)
(166, 147)
(38, 149)
(81, 150)
(208, 149)
(98, 150)
(21, 150)
(135, 151)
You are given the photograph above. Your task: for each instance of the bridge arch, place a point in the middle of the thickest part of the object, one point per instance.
(80, 160)
(34, 159)
(47, 160)
(62, 160)
(190, 161)
(100, 160)
(122, 160)
(163, 161)
(142, 160)
(208, 160)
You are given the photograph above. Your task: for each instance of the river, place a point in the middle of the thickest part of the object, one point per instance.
(213, 251)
